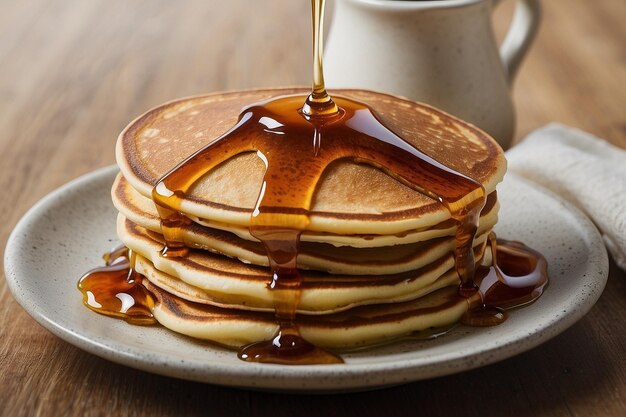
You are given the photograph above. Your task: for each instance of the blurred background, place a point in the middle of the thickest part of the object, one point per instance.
(76, 72)
(73, 73)
(84, 69)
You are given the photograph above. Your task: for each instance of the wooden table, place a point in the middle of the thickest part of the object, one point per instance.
(73, 73)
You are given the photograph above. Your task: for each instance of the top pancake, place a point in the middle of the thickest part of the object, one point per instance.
(350, 198)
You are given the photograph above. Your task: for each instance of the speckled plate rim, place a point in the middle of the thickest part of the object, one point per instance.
(375, 368)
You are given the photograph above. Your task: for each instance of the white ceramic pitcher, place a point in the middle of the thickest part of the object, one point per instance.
(441, 52)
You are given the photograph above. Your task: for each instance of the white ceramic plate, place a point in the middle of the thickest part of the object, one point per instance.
(66, 233)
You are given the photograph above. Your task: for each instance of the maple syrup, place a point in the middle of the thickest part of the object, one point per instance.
(298, 137)
(517, 276)
(115, 289)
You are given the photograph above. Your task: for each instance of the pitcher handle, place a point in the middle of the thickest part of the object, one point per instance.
(520, 35)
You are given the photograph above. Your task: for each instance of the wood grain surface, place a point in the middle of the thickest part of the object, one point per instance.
(74, 73)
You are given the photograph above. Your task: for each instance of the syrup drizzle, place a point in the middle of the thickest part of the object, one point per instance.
(318, 103)
(298, 137)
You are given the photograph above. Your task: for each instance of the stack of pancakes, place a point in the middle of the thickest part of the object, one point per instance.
(376, 261)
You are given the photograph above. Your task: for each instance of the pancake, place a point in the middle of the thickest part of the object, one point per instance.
(357, 327)
(213, 279)
(312, 255)
(350, 198)
(141, 210)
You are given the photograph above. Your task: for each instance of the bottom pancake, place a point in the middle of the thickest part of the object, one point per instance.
(357, 327)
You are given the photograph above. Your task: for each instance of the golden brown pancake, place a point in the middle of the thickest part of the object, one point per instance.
(350, 198)
(313, 255)
(357, 327)
(141, 210)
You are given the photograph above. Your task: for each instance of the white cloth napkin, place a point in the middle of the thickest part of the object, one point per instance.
(583, 169)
